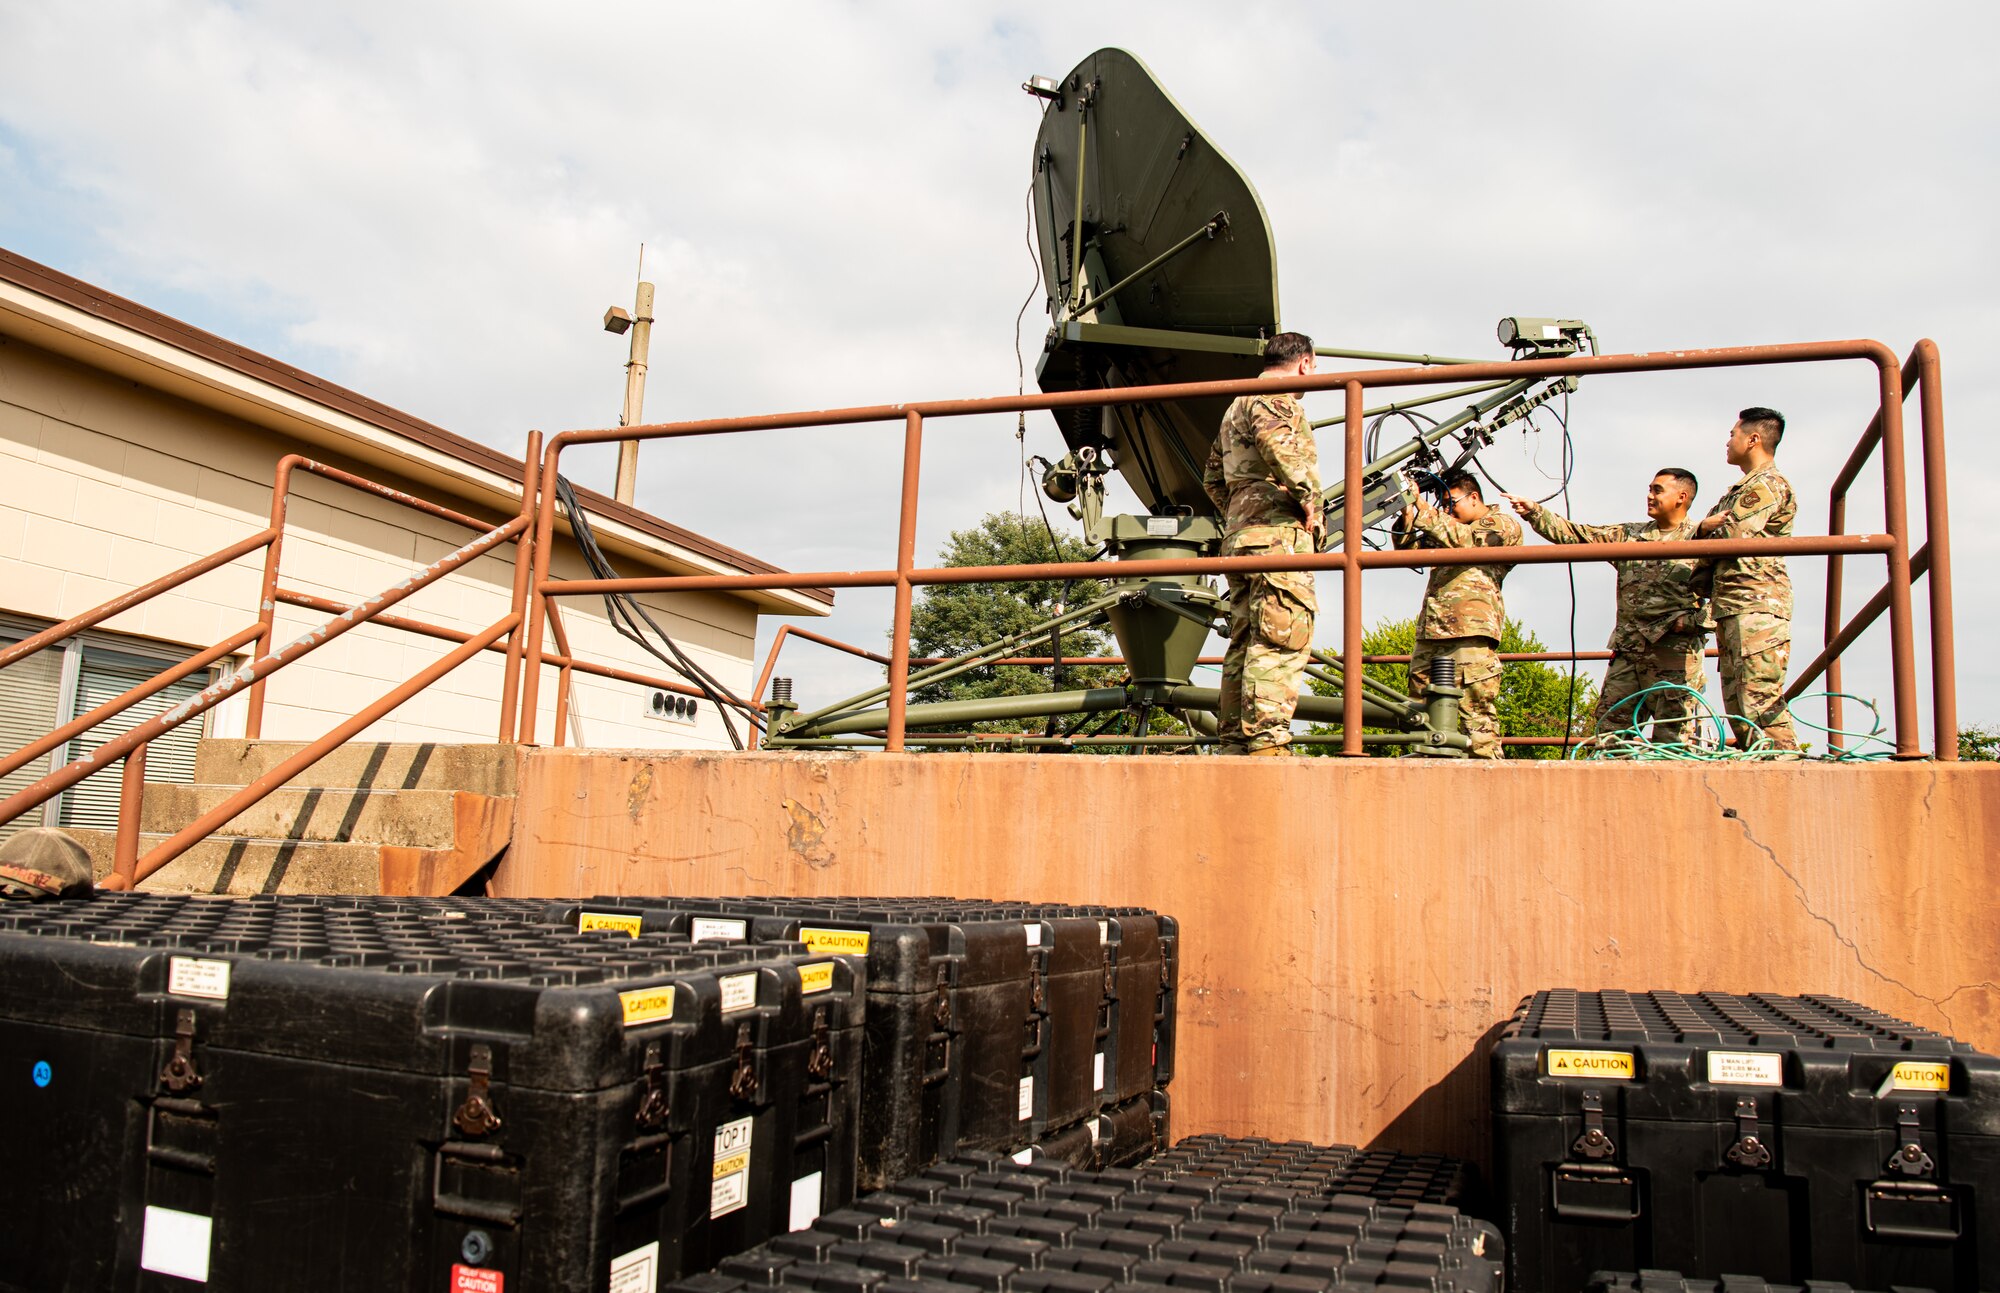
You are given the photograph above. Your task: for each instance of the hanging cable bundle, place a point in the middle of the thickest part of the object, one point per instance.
(628, 617)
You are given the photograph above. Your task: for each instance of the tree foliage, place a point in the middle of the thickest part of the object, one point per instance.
(952, 619)
(1979, 743)
(1534, 697)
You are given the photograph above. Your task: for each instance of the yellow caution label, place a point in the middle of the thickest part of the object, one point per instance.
(1593, 1064)
(624, 922)
(1911, 1075)
(816, 978)
(732, 1165)
(839, 942)
(644, 1005)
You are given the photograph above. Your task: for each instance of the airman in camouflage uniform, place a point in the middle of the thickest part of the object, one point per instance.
(1463, 611)
(1751, 597)
(1662, 624)
(1263, 477)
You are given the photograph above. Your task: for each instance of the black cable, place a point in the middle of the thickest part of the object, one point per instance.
(1020, 365)
(626, 614)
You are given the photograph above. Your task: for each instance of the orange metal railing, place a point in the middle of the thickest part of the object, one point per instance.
(1886, 429)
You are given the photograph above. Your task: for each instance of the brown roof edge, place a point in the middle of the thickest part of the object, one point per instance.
(74, 292)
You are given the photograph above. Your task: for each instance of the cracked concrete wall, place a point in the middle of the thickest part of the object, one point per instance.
(1351, 932)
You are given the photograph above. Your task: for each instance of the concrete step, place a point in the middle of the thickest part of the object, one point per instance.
(409, 818)
(221, 864)
(481, 769)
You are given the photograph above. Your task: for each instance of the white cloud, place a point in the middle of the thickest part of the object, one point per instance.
(435, 204)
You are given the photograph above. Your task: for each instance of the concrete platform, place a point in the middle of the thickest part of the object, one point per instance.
(1353, 932)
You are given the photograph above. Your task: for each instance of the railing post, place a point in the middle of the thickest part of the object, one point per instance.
(1836, 523)
(1902, 649)
(267, 604)
(1937, 524)
(131, 805)
(531, 669)
(524, 550)
(1350, 581)
(906, 560)
(562, 707)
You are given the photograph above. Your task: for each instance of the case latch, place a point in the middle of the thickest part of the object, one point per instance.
(180, 1074)
(1749, 1149)
(653, 1105)
(1909, 1158)
(1594, 1143)
(819, 1060)
(476, 1117)
(743, 1082)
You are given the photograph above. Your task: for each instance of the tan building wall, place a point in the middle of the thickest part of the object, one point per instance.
(1351, 931)
(105, 484)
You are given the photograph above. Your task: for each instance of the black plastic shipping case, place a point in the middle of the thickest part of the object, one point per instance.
(993, 1026)
(1049, 1228)
(338, 1094)
(1789, 1138)
(1675, 1282)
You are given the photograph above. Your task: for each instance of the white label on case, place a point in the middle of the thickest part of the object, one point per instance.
(175, 1243)
(1097, 1071)
(191, 976)
(739, 991)
(1025, 1156)
(729, 1183)
(1103, 931)
(637, 1271)
(1736, 1068)
(805, 1200)
(1027, 1098)
(1034, 931)
(704, 928)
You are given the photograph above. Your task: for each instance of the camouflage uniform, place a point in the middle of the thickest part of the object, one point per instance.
(1263, 477)
(1751, 599)
(1661, 629)
(1463, 617)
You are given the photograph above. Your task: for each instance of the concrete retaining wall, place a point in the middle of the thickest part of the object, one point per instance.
(1352, 931)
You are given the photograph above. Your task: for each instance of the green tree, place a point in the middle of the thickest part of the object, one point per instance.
(1534, 697)
(952, 619)
(1979, 742)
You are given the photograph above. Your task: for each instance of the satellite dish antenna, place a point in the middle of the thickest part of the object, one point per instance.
(1158, 261)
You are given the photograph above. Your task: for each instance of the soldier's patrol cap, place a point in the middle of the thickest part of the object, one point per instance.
(43, 864)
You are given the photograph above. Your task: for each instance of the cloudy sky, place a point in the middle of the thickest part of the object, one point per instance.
(434, 204)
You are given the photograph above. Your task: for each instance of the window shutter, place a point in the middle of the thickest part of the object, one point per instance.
(29, 690)
(104, 675)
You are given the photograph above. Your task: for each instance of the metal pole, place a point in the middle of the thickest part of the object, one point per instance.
(635, 392)
(1937, 523)
(267, 606)
(1350, 580)
(131, 804)
(545, 524)
(1902, 649)
(524, 561)
(1076, 228)
(906, 560)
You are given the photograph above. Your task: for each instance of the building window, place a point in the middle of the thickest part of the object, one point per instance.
(70, 679)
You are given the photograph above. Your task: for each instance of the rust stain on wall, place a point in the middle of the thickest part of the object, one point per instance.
(805, 833)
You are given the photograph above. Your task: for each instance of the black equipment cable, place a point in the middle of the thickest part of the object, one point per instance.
(626, 615)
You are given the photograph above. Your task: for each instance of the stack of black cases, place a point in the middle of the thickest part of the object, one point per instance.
(1295, 1165)
(1786, 1138)
(376, 1094)
(1034, 1030)
(1675, 1282)
(987, 1223)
